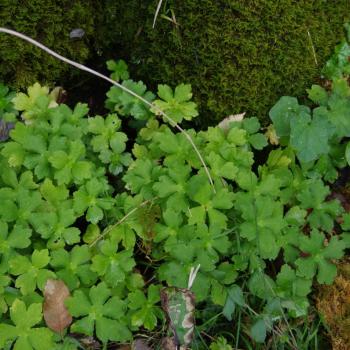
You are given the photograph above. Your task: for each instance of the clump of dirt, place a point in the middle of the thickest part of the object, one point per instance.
(333, 303)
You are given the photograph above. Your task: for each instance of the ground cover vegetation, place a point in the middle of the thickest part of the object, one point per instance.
(95, 222)
(235, 54)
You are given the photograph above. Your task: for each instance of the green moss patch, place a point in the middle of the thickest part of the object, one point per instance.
(239, 55)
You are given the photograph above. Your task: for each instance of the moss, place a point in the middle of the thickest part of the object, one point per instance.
(50, 22)
(239, 55)
(333, 303)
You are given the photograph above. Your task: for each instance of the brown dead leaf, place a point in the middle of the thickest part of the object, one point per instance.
(55, 312)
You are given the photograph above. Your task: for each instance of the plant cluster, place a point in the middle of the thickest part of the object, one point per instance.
(117, 219)
(243, 61)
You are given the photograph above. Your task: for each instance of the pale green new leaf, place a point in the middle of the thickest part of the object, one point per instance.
(176, 104)
(31, 274)
(23, 334)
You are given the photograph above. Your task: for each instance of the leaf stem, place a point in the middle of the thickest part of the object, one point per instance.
(110, 228)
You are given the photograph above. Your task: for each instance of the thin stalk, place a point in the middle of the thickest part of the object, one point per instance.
(312, 47)
(238, 329)
(157, 12)
(110, 228)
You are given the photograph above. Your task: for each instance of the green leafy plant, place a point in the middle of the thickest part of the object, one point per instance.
(176, 104)
(23, 333)
(31, 273)
(73, 267)
(127, 105)
(7, 111)
(144, 309)
(118, 219)
(99, 310)
(119, 69)
(318, 257)
(220, 344)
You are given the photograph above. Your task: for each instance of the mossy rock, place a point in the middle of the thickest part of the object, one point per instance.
(239, 55)
(50, 22)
